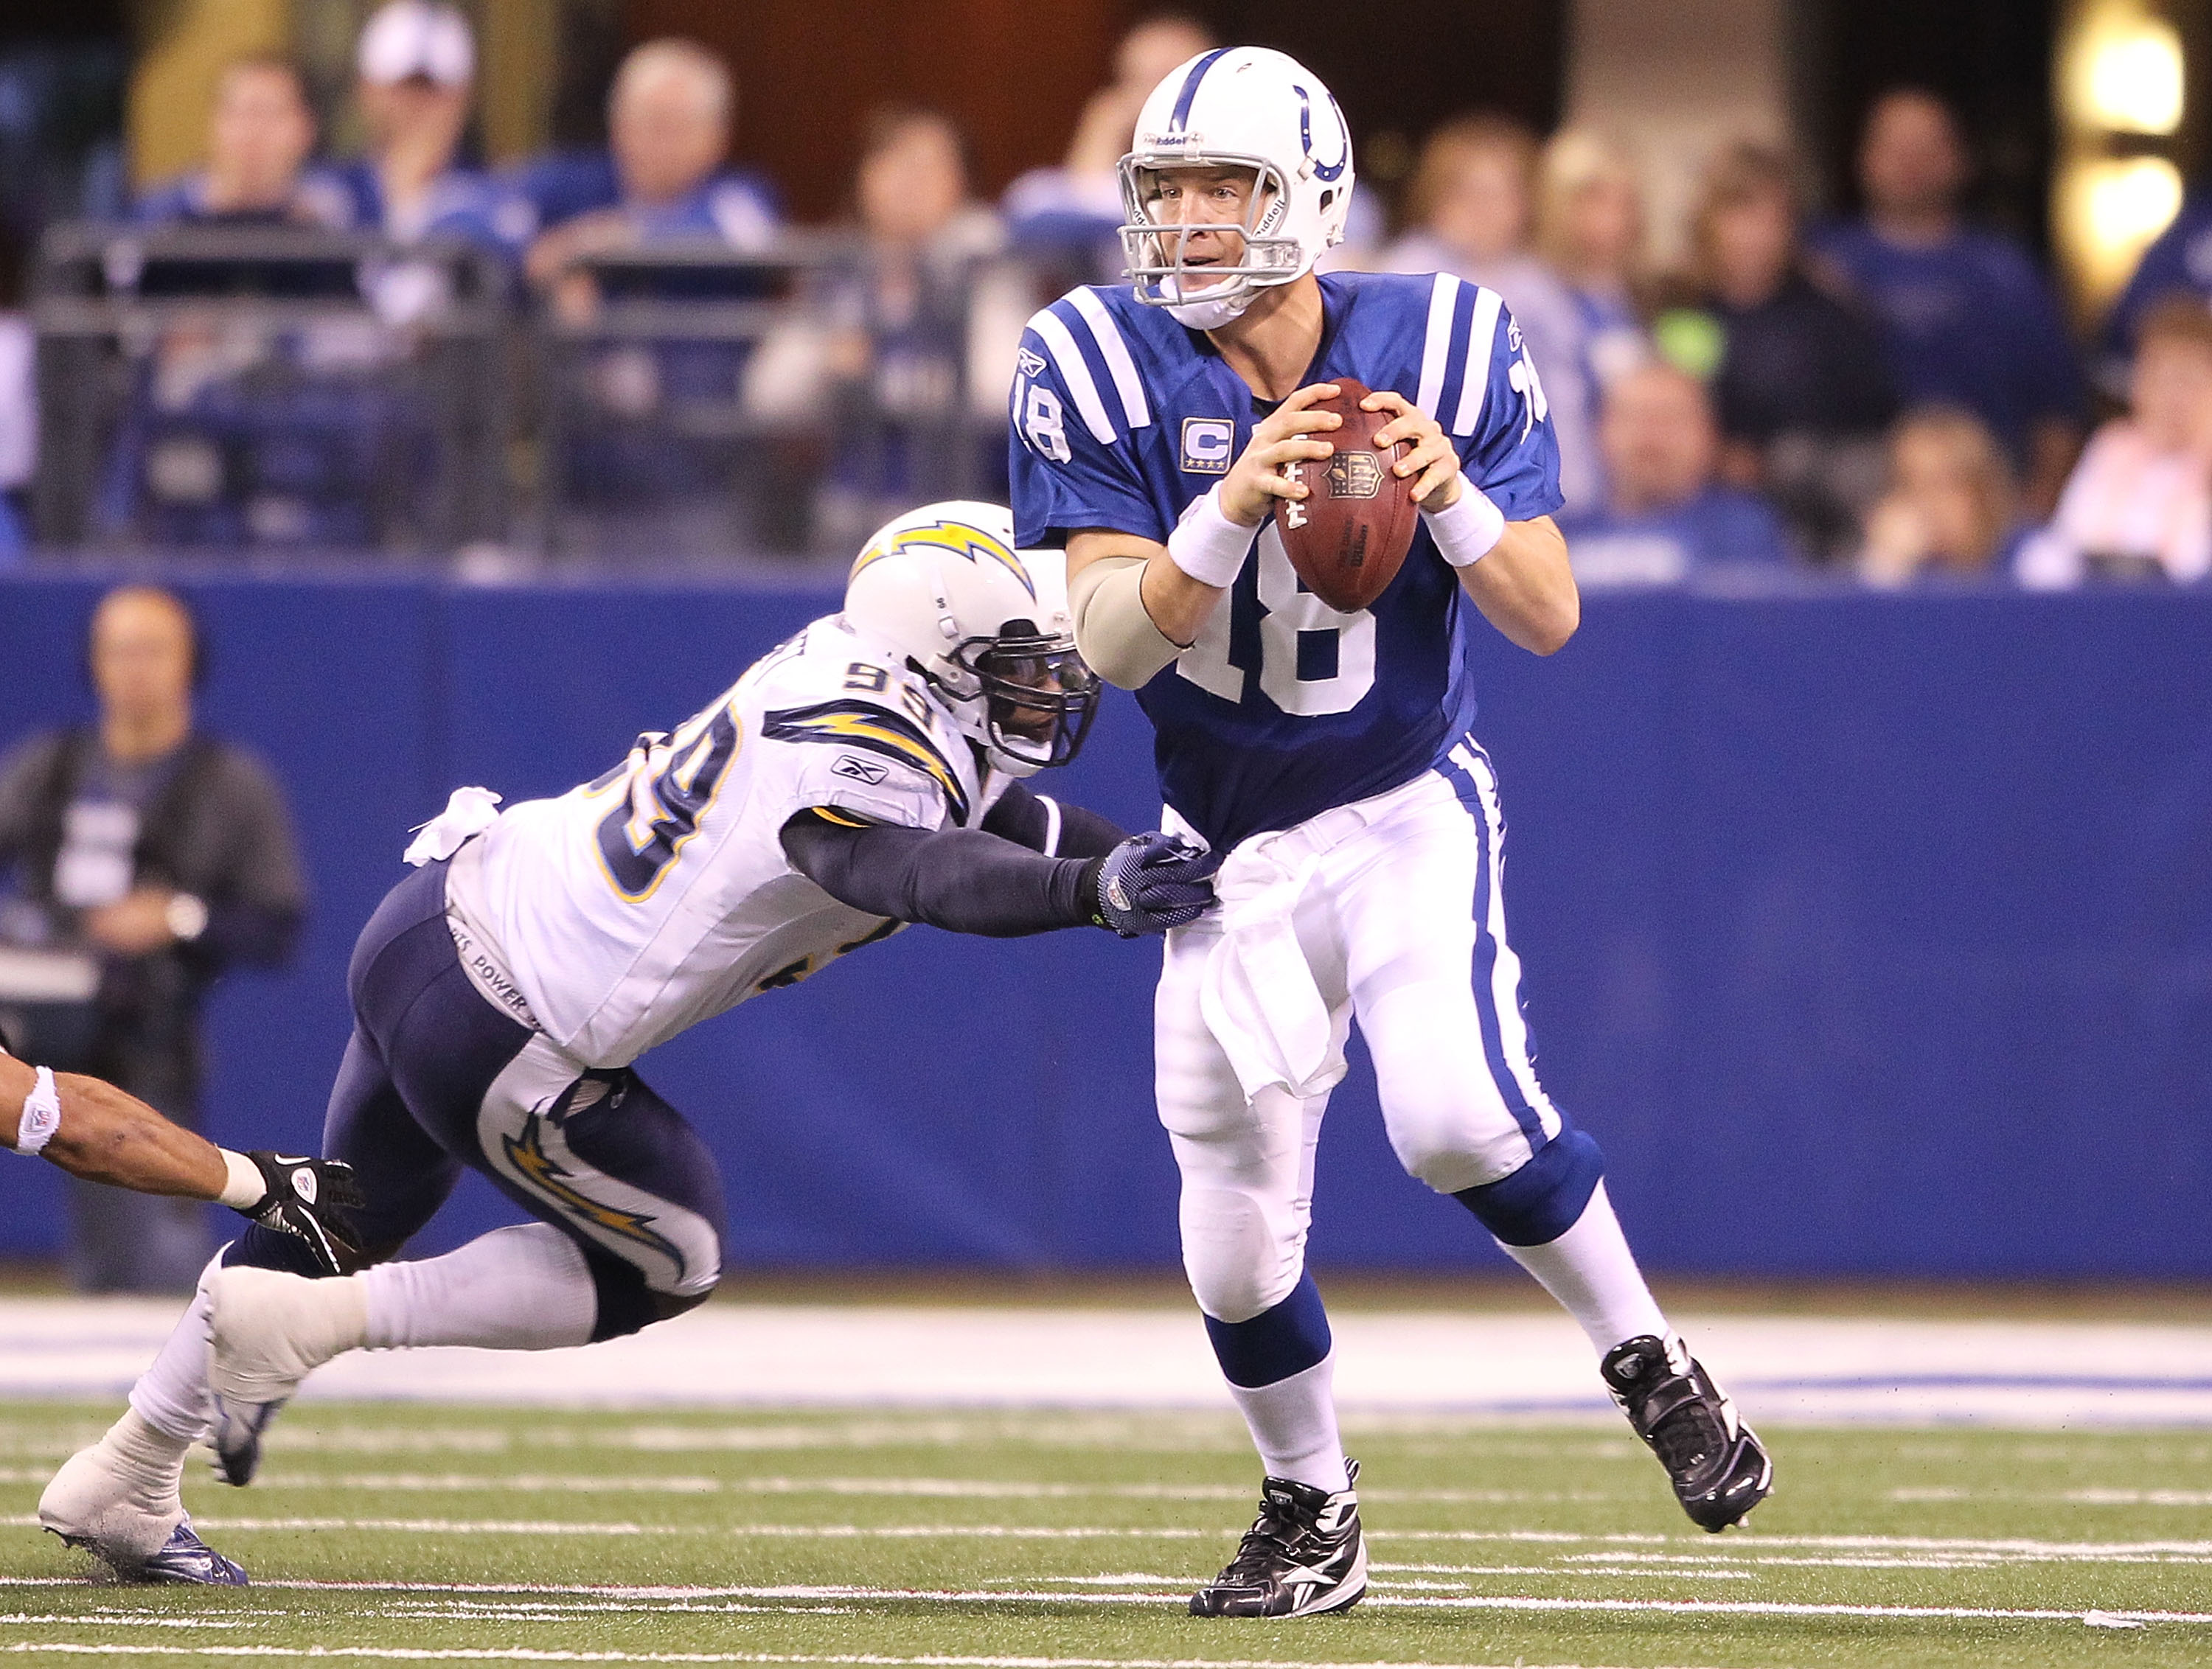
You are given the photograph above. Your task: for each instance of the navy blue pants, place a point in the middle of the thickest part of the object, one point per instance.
(436, 1077)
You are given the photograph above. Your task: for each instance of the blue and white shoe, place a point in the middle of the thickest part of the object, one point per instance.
(185, 1558)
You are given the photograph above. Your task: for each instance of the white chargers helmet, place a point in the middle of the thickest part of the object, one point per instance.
(986, 624)
(1237, 108)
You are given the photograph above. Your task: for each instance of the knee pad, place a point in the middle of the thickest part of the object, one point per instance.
(1243, 1254)
(1540, 1201)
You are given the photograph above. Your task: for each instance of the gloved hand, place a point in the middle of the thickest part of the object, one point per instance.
(1149, 884)
(313, 1198)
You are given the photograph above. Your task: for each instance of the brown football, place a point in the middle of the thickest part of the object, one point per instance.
(1349, 536)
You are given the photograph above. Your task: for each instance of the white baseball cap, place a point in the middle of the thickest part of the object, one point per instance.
(409, 38)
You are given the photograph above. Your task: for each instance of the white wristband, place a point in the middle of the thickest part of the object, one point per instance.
(245, 1187)
(1208, 546)
(1470, 530)
(42, 1114)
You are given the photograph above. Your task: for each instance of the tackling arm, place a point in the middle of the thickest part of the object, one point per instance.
(95, 1130)
(1051, 826)
(969, 880)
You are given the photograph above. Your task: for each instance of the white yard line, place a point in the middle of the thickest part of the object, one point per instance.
(867, 1659)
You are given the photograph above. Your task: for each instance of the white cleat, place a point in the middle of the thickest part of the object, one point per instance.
(267, 1331)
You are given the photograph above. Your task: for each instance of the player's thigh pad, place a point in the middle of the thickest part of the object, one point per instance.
(1436, 987)
(1246, 1168)
(602, 1155)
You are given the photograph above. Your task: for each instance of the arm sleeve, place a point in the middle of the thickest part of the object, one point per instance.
(1051, 826)
(1513, 454)
(1069, 461)
(963, 880)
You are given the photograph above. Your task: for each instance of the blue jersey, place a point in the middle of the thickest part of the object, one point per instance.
(1283, 707)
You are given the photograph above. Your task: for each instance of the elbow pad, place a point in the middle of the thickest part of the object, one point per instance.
(1113, 628)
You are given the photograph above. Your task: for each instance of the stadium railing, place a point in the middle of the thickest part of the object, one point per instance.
(226, 387)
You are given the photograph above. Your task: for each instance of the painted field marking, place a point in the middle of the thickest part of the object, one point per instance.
(923, 1488)
(527, 1654)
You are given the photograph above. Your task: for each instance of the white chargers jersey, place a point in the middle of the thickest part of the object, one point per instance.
(659, 895)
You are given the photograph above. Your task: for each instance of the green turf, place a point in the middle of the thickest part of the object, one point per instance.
(781, 1505)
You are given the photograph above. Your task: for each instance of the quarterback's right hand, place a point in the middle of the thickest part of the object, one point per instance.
(1149, 884)
(1285, 435)
(314, 1200)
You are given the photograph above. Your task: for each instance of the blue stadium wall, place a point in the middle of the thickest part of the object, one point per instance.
(1871, 935)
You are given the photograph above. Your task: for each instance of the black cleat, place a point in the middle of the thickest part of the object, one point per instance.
(1719, 1467)
(1304, 1556)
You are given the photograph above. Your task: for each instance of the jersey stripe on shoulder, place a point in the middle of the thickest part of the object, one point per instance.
(1436, 345)
(1075, 372)
(878, 730)
(1115, 352)
(1474, 381)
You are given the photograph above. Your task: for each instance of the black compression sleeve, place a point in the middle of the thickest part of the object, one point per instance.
(1024, 818)
(963, 880)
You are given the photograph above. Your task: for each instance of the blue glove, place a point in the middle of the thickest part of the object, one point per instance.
(1149, 884)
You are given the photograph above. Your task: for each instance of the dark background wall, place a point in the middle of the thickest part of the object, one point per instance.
(1869, 934)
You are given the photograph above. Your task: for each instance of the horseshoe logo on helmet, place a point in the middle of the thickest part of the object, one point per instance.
(1327, 172)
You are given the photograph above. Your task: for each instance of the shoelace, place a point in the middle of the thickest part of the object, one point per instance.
(1686, 1438)
(1275, 1532)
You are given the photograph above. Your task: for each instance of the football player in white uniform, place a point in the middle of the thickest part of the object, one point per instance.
(864, 776)
(1329, 756)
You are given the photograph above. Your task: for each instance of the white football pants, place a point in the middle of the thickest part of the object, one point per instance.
(1403, 926)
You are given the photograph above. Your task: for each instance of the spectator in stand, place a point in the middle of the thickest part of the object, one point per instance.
(1968, 320)
(260, 134)
(1589, 227)
(2180, 261)
(1666, 518)
(416, 69)
(148, 856)
(2140, 502)
(918, 352)
(1067, 217)
(1952, 507)
(1798, 376)
(1468, 206)
(662, 176)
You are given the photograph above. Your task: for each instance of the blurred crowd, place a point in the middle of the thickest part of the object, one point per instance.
(1895, 394)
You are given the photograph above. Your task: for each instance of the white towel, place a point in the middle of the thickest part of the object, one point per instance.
(468, 813)
(1258, 996)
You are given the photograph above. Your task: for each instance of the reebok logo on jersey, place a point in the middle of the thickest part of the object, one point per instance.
(861, 770)
(1206, 445)
(1032, 363)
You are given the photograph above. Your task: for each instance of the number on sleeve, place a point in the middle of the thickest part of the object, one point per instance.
(1044, 424)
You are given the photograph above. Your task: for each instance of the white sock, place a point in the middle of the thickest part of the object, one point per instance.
(171, 1395)
(521, 1289)
(150, 1460)
(1590, 1271)
(1293, 1425)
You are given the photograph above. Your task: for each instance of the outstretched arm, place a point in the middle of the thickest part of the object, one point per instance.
(969, 880)
(96, 1132)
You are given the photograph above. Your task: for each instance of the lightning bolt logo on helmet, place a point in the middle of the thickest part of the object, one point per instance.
(985, 623)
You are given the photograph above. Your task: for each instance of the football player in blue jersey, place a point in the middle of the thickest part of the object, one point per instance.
(1328, 756)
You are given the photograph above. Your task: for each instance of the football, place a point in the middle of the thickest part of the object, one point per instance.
(1349, 536)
